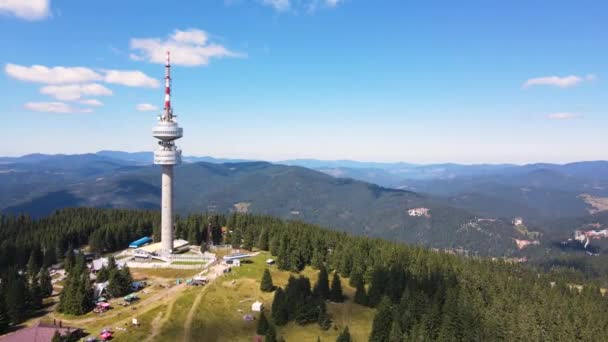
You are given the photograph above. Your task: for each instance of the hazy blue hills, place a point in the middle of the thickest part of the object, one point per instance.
(284, 191)
(362, 200)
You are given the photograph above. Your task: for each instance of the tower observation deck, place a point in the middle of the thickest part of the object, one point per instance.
(167, 131)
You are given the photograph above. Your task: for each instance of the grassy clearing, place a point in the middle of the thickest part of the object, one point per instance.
(167, 273)
(219, 317)
(173, 329)
(188, 263)
(145, 326)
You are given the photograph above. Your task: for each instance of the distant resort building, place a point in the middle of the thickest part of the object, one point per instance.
(518, 221)
(595, 234)
(99, 263)
(236, 256)
(419, 212)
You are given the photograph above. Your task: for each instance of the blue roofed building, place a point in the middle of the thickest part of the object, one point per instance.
(141, 242)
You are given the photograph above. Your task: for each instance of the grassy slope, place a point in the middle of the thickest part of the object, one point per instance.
(216, 317)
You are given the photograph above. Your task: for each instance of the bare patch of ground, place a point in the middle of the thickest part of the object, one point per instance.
(597, 203)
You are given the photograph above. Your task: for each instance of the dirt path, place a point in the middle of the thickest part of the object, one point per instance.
(159, 321)
(188, 322)
(155, 326)
(149, 303)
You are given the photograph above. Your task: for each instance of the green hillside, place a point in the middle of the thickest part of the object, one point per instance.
(287, 192)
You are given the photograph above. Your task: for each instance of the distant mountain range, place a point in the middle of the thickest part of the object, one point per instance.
(38, 184)
(363, 198)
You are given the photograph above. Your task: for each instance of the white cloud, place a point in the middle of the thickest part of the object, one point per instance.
(279, 5)
(26, 9)
(71, 92)
(91, 102)
(332, 3)
(556, 81)
(73, 75)
(52, 75)
(146, 107)
(55, 107)
(564, 116)
(130, 78)
(189, 48)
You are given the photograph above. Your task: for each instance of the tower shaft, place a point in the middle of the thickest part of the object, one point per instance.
(167, 208)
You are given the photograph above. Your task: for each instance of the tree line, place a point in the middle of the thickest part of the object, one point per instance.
(419, 295)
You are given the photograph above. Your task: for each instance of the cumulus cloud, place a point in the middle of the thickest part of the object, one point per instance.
(55, 107)
(74, 75)
(189, 48)
(26, 9)
(51, 75)
(91, 102)
(557, 81)
(130, 78)
(72, 92)
(564, 116)
(146, 107)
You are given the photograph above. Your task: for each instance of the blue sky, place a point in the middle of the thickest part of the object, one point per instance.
(415, 81)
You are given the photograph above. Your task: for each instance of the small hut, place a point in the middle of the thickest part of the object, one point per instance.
(257, 306)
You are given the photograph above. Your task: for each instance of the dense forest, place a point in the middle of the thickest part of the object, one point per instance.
(420, 295)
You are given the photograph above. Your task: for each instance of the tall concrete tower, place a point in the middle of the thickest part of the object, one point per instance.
(167, 155)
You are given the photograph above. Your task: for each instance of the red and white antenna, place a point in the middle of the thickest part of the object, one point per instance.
(168, 111)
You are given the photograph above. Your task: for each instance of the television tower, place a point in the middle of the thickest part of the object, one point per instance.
(167, 155)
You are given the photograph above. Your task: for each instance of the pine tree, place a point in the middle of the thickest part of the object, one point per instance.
(280, 313)
(35, 294)
(102, 275)
(262, 325)
(77, 295)
(120, 282)
(344, 336)
(321, 289)
(4, 320)
(267, 285)
(335, 293)
(355, 278)
(271, 334)
(69, 260)
(32, 267)
(263, 243)
(383, 320)
(16, 297)
(419, 333)
(323, 317)
(377, 286)
(360, 295)
(112, 264)
(248, 239)
(46, 284)
(395, 335)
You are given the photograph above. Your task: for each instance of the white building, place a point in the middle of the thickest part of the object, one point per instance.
(518, 221)
(418, 212)
(257, 306)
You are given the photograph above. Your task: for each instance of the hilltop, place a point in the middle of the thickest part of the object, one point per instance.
(289, 192)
